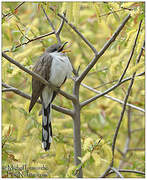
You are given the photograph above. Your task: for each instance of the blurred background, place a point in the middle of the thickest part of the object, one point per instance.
(21, 130)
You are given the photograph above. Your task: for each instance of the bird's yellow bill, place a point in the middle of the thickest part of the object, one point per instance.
(66, 50)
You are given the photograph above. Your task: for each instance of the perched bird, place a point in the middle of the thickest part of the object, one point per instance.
(55, 67)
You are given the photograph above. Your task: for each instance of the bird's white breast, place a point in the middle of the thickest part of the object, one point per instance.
(60, 68)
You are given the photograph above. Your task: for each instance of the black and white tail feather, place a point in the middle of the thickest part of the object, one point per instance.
(46, 128)
(46, 118)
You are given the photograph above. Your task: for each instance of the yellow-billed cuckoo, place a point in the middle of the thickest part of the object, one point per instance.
(54, 66)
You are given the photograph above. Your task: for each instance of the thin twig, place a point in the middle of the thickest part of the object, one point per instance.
(49, 21)
(132, 52)
(60, 27)
(117, 172)
(128, 139)
(127, 171)
(113, 98)
(109, 13)
(38, 77)
(22, 94)
(75, 29)
(110, 82)
(31, 40)
(106, 172)
(124, 107)
(108, 91)
(104, 84)
(122, 154)
(100, 70)
(135, 130)
(122, 114)
(136, 149)
(22, 33)
(98, 55)
(8, 14)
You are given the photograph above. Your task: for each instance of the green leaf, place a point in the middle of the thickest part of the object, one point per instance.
(22, 39)
(13, 49)
(6, 36)
(10, 69)
(116, 16)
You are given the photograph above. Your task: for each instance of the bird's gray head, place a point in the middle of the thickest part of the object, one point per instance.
(56, 48)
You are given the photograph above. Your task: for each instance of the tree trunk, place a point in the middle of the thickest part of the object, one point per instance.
(77, 132)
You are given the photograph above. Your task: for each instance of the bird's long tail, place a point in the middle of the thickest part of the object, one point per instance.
(46, 127)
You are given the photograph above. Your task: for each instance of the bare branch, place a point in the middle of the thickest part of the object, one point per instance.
(113, 98)
(117, 172)
(111, 12)
(124, 107)
(132, 52)
(110, 82)
(38, 77)
(106, 172)
(122, 114)
(127, 171)
(7, 89)
(109, 90)
(23, 33)
(136, 149)
(50, 23)
(59, 30)
(136, 130)
(98, 55)
(14, 10)
(142, 49)
(17, 91)
(31, 40)
(60, 27)
(75, 29)
(68, 96)
(22, 94)
(128, 139)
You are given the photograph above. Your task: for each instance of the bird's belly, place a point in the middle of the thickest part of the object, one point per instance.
(58, 72)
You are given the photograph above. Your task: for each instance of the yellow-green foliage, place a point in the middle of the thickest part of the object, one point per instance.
(21, 131)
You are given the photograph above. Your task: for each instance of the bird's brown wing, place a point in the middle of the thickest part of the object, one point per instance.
(42, 67)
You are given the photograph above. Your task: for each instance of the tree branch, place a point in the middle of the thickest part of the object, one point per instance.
(49, 21)
(22, 94)
(113, 98)
(124, 107)
(117, 172)
(38, 77)
(60, 27)
(22, 32)
(127, 171)
(57, 33)
(111, 12)
(139, 129)
(136, 149)
(106, 92)
(8, 14)
(7, 89)
(31, 40)
(128, 139)
(98, 55)
(75, 29)
(122, 114)
(132, 52)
